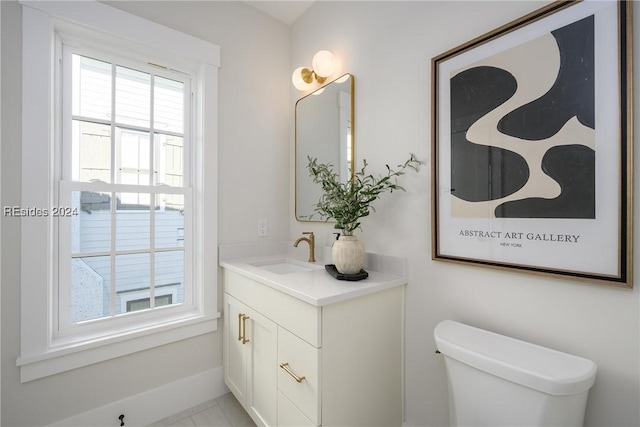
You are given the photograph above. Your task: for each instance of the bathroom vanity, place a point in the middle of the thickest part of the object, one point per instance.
(304, 349)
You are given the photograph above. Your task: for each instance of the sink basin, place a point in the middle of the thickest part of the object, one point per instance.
(284, 266)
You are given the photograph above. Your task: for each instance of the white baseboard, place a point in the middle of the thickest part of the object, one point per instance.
(155, 404)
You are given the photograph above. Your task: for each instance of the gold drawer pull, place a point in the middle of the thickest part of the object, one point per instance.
(285, 366)
(244, 329)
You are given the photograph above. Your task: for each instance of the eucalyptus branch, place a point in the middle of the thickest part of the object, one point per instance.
(347, 202)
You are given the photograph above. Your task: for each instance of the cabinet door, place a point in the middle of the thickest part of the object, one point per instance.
(261, 368)
(250, 355)
(235, 353)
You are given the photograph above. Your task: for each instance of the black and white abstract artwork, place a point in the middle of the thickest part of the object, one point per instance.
(530, 143)
(543, 166)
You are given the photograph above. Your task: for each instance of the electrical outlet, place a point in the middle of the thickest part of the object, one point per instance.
(263, 228)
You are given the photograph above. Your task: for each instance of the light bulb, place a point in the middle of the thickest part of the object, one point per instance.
(324, 63)
(297, 80)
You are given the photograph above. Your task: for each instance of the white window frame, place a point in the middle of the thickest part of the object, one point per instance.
(42, 352)
(62, 325)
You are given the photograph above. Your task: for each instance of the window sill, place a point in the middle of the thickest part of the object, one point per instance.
(72, 356)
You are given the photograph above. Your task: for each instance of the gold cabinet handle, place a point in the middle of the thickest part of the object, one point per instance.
(240, 326)
(285, 366)
(244, 329)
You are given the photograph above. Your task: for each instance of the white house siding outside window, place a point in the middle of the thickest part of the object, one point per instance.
(122, 262)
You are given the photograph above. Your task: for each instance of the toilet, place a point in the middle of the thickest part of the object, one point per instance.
(496, 380)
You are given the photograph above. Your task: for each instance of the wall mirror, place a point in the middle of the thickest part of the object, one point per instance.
(324, 130)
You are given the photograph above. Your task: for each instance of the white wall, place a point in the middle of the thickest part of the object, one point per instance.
(388, 47)
(254, 177)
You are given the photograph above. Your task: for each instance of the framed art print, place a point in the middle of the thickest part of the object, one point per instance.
(532, 145)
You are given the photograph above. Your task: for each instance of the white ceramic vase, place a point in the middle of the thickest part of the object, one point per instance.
(348, 254)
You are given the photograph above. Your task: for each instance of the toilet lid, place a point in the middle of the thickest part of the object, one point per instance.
(531, 365)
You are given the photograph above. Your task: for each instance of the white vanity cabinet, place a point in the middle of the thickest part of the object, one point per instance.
(294, 363)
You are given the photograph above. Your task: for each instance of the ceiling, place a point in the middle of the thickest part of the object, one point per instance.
(286, 11)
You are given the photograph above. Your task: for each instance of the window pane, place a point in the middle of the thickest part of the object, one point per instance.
(169, 160)
(127, 243)
(90, 152)
(134, 157)
(169, 275)
(145, 303)
(90, 288)
(132, 278)
(168, 105)
(169, 220)
(91, 88)
(133, 97)
(138, 304)
(164, 300)
(91, 229)
(133, 221)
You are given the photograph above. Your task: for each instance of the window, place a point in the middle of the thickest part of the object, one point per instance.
(125, 175)
(145, 303)
(119, 262)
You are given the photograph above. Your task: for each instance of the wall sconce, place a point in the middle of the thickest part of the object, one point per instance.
(323, 63)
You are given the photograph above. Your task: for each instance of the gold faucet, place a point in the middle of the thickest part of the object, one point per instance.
(311, 240)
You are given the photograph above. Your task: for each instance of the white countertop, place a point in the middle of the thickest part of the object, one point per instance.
(317, 286)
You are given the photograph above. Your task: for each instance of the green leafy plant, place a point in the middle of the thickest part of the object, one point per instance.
(347, 202)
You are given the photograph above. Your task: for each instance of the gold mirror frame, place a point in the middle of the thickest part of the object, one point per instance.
(324, 129)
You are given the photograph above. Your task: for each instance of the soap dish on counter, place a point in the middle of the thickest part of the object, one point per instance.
(331, 269)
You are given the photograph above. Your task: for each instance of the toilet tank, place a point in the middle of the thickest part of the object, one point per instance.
(496, 380)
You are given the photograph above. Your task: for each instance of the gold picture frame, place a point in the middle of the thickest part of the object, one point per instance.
(532, 139)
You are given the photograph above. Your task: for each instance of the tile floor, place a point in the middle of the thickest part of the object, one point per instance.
(225, 411)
